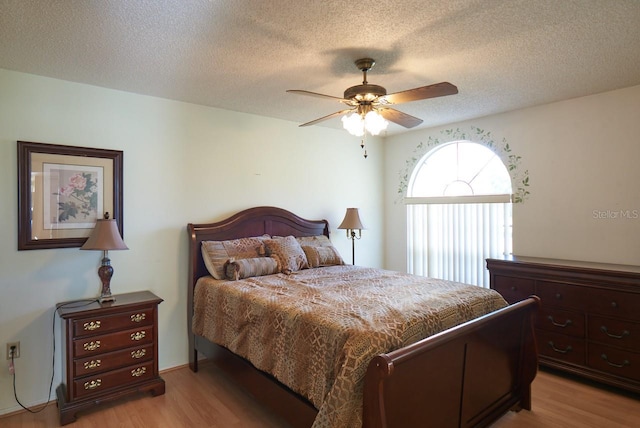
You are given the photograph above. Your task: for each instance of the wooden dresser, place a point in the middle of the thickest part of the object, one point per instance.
(589, 318)
(109, 350)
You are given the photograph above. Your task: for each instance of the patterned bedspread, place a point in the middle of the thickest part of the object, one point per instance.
(317, 329)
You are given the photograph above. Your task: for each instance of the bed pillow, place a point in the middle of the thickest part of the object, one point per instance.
(322, 256)
(287, 252)
(247, 268)
(216, 253)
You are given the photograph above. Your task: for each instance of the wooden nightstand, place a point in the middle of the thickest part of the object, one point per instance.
(109, 350)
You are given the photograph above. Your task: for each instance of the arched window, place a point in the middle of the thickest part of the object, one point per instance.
(458, 212)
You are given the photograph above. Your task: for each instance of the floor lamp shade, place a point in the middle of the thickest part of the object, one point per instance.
(105, 237)
(351, 220)
(351, 223)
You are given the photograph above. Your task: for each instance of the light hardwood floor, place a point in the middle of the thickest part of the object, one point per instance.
(208, 399)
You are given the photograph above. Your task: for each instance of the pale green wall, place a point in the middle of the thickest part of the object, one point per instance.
(582, 155)
(182, 163)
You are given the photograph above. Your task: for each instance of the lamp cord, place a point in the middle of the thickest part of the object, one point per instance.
(53, 358)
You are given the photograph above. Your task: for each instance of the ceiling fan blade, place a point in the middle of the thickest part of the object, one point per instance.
(329, 116)
(315, 94)
(421, 93)
(399, 117)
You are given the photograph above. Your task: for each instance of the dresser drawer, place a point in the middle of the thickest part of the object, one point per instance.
(513, 289)
(560, 295)
(102, 383)
(615, 303)
(95, 345)
(624, 334)
(109, 361)
(104, 324)
(615, 361)
(562, 322)
(561, 347)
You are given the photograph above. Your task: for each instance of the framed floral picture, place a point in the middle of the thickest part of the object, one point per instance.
(63, 190)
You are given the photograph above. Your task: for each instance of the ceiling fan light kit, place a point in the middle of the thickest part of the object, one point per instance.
(369, 110)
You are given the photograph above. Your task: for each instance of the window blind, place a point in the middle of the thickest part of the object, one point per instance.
(452, 241)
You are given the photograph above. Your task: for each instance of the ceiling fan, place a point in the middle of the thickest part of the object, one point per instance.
(366, 98)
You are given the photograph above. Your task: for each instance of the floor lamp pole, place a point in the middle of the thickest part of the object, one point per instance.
(353, 247)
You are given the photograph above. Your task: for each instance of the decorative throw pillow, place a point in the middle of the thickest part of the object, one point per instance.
(246, 268)
(314, 241)
(322, 256)
(287, 252)
(216, 253)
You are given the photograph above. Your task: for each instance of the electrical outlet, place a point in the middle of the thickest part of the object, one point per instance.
(16, 352)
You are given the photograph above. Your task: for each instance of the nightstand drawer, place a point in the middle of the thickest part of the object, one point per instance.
(107, 323)
(95, 345)
(102, 383)
(561, 347)
(563, 322)
(105, 362)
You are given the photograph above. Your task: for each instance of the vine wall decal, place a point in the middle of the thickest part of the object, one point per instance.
(513, 162)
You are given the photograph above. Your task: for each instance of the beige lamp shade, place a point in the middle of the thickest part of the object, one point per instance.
(105, 236)
(351, 220)
(352, 223)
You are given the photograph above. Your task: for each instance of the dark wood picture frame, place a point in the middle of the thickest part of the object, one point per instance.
(33, 160)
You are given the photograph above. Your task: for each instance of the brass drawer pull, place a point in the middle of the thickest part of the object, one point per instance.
(138, 372)
(138, 317)
(91, 346)
(93, 364)
(615, 336)
(93, 384)
(138, 353)
(567, 323)
(90, 326)
(624, 363)
(138, 335)
(562, 351)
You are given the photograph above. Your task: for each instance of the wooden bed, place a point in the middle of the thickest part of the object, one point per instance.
(469, 375)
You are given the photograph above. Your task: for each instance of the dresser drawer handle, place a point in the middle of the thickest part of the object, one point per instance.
(567, 323)
(138, 317)
(93, 364)
(93, 384)
(624, 363)
(138, 353)
(614, 305)
(561, 351)
(91, 346)
(615, 336)
(90, 326)
(138, 372)
(138, 335)
(558, 296)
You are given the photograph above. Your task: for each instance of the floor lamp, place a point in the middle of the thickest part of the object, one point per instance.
(352, 223)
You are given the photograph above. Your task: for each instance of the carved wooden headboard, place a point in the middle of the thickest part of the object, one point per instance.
(250, 222)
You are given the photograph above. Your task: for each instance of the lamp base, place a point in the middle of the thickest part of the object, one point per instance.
(105, 272)
(106, 298)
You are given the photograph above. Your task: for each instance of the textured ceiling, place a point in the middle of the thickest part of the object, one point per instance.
(242, 55)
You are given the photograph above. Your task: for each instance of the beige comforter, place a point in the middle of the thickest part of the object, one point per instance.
(317, 329)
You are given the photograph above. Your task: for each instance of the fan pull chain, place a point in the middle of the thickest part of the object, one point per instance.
(362, 146)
